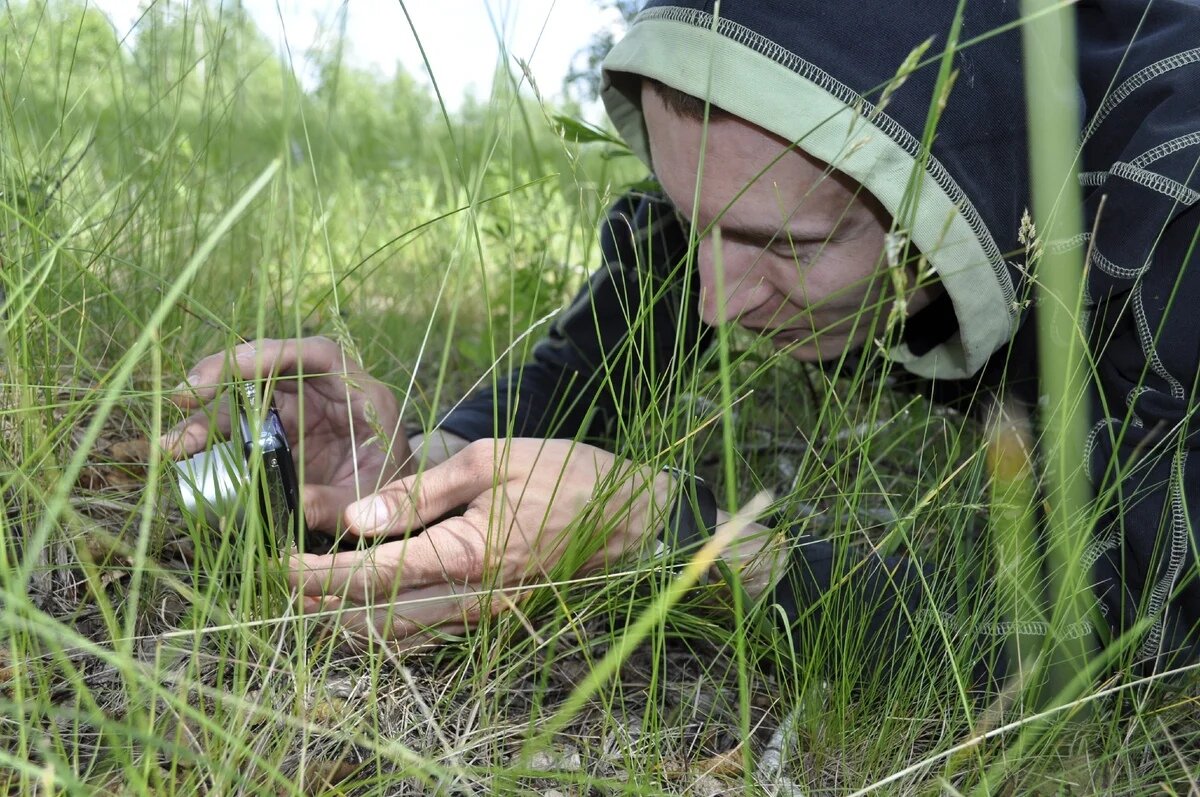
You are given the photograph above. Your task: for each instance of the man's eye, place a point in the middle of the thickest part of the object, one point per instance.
(801, 254)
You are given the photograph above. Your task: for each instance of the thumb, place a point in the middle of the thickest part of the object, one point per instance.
(324, 505)
(416, 501)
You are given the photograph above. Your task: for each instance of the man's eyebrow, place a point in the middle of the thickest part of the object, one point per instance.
(780, 234)
(765, 234)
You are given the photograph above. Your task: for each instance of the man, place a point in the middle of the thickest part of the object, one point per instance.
(798, 201)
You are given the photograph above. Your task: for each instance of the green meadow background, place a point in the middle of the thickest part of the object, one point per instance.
(164, 198)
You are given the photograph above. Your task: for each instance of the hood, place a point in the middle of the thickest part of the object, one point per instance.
(824, 76)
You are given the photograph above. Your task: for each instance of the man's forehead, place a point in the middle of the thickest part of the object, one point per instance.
(750, 176)
(765, 214)
(742, 198)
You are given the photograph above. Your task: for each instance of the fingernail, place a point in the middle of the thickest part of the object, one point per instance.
(311, 605)
(370, 514)
(187, 383)
(170, 439)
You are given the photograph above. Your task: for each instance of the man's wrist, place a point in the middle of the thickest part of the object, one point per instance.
(754, 555)
(435, 447)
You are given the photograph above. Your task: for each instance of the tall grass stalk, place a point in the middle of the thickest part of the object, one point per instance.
(1051, 77)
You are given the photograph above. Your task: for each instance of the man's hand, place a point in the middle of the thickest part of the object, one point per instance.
(521, 499)
(349, 436)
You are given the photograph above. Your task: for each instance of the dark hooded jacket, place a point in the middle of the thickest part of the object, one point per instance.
(823, 75)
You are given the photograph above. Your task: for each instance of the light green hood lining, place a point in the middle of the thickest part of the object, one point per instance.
(747, 75)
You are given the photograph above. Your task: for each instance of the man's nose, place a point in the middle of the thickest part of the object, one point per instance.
(729, 286)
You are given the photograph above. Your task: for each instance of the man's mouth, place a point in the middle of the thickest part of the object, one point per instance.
(788, 336)
(782, 335)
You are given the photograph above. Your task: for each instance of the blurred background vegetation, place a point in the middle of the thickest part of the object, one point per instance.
(389, 210)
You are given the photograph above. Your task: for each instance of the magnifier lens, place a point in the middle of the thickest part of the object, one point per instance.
(210, 480)
(215, 483)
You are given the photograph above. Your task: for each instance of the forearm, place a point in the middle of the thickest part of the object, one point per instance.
(613, 351)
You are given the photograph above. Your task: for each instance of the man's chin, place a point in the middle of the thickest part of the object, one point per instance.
(804, 352)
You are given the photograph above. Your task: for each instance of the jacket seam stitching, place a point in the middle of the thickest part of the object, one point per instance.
(1113, 270)
(1177, 553)
(1148, 350)
(1135, 82)
(1156, 182)
(1166, 148)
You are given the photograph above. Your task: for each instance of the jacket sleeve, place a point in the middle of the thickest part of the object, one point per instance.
(1145, 467)
(1144, 443)
(1141, 172)
(612, 349)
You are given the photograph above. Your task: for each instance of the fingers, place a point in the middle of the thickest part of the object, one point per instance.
(195, 433)
(266, 356)
(452, 552)
(418, 612)
(434, 616)
(416, 501)
(324, 505)
(262, 357)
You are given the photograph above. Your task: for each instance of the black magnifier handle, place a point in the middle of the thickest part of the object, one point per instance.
(279, 495)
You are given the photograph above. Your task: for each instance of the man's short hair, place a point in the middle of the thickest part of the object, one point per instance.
(684, 104)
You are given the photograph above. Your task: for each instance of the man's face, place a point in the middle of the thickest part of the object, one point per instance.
(801, 248)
